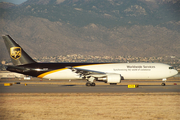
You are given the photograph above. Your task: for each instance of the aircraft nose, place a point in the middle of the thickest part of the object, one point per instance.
(175, 72)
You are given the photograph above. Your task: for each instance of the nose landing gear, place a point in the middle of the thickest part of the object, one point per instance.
(163, 84)
(164, 81)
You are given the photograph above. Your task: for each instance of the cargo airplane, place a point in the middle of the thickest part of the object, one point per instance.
(111, 73)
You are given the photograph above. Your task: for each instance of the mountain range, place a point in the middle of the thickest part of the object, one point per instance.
(103, 27)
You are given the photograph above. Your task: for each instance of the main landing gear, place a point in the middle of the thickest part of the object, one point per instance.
(90, 84)
(90, 81)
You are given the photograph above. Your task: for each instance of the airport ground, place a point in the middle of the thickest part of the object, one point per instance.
(73, 100)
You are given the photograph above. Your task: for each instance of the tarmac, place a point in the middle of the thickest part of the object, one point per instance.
(78, 86)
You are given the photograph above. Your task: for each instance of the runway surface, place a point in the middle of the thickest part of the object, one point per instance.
(45, 88)
(78, 86)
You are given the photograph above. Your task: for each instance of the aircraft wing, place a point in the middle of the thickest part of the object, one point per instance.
(92, 75)
(86, 72)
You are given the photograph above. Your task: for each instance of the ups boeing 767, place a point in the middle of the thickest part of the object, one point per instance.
(111, 73)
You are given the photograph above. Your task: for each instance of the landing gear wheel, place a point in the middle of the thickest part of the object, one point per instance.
(113, 83)
(88, 84)
(93, 84)
(163, 84)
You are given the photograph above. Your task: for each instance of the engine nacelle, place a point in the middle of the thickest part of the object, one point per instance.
(111, 78)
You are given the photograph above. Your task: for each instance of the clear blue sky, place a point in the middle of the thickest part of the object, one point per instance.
(14, 1)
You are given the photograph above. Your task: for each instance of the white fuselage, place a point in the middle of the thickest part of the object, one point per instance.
(127, 70)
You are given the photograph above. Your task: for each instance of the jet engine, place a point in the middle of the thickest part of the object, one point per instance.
(111, 78)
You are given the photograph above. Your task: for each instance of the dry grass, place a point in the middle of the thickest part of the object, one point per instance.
(91, 106)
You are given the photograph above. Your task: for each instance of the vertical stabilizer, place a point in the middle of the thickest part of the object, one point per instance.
(17, 54)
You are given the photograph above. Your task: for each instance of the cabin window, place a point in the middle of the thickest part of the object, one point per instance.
(171, 68)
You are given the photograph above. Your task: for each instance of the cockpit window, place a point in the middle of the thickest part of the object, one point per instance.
(171, 68)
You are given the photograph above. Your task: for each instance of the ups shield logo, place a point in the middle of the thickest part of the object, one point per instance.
(15, 53)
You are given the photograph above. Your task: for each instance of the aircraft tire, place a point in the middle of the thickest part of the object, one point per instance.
(93, 84)
(163, 84)
(113, 83)
(88, 84)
